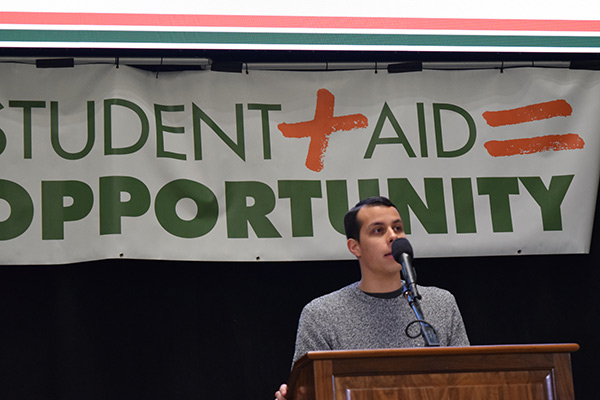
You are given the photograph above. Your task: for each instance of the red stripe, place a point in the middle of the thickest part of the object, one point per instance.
(265, 21)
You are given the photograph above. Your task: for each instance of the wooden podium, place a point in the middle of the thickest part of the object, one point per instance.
(532, 372)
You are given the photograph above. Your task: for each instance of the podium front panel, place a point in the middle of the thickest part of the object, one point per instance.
(525, 372)
(452, 386)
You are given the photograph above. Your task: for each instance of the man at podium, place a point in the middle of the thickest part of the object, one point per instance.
(373, 313)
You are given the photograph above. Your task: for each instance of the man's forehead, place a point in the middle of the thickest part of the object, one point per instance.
(375, 215)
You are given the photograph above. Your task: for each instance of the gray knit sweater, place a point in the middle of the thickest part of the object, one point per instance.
(350, 319)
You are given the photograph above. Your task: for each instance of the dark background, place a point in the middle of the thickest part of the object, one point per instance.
(176, 330)
(134, 329)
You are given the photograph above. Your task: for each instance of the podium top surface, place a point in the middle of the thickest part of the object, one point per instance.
(440, 351)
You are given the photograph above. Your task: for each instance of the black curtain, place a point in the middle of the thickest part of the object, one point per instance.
(184, 330)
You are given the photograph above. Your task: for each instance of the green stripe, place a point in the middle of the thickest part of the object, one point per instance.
(316, 39)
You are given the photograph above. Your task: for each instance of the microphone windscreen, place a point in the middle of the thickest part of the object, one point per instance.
(401, 245)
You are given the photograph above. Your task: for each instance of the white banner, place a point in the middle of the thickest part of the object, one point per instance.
(104, 162)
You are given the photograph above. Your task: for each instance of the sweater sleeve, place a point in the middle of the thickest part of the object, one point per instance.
(458, 332)
(312, 332)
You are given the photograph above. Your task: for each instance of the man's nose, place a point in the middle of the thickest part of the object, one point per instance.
(394, 234)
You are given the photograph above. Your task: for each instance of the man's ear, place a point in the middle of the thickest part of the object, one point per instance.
(354, 247)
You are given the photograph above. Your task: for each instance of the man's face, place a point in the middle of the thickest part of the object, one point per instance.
(380, 226)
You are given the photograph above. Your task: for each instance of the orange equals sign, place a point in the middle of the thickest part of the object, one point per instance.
(500, 148)
(533, 112)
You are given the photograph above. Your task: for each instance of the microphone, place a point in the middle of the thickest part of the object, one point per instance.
(402, 252)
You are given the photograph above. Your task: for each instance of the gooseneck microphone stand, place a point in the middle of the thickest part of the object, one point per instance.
(402, 253)
(429, 334)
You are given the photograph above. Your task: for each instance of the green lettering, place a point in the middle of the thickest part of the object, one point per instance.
(161, 129)
(21, 210)
(54, 211)
(337, 199)
(207, 208)
(144, 132)
(422, 130)
(386, 114)
(300, 194)
(499, 189)
(432, 216)
(27, 106)
(2, 136)
(240, 214)
(437, 108)
(464, 208)
(239, 148)
(54, 135)
(549, 199)
(368, 188)
(266, 130)
(112, 207)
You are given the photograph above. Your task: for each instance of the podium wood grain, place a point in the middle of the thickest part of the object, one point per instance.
(528, 372)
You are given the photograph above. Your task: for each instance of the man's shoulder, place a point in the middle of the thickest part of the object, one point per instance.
(436, 294)
(333, 299)
(435, 291)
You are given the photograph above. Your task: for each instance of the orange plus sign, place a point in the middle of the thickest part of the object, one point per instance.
(321, 127)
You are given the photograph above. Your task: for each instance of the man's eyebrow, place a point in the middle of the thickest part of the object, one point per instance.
(375, 223)
(378, 223)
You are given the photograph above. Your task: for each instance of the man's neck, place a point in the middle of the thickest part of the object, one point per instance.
(380, 286)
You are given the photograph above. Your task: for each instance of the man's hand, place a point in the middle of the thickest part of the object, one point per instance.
(281, 393)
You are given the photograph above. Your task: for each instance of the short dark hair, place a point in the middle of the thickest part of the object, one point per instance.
(352, 225)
